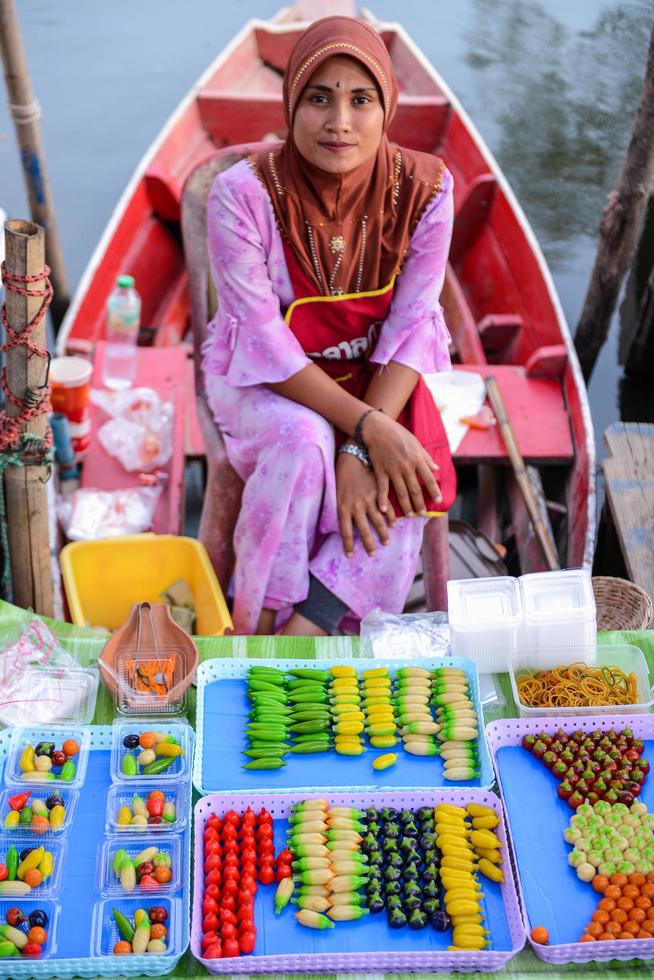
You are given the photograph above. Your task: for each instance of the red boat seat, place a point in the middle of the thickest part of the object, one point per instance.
(537, 411)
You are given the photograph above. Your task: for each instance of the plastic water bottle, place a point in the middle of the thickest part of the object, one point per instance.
(123, 321)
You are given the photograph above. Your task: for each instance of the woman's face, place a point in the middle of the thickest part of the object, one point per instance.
(339, 118)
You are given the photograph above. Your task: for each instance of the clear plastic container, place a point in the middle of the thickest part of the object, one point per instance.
(178, 770)
(105, 934)
(109, 881)
(628, 658)
(50, 908)
(55, 846)
(485, 616)
(68, 799)
(31, 736)
(559, 610)
(121, 794)
(163, 672)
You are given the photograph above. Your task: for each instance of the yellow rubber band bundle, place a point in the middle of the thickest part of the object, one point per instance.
(577, 686)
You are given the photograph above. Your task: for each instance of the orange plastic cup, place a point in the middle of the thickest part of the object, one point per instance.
(70, 384)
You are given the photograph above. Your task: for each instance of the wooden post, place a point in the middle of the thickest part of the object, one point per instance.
(620, 227)
(26, 113)
(25, 486)
(639, 362)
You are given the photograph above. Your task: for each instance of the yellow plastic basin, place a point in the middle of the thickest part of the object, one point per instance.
(103, 578)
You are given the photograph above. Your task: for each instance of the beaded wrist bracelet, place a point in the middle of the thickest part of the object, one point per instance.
(358, 435)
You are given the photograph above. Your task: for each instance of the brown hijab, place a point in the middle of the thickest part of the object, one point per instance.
(372, 209)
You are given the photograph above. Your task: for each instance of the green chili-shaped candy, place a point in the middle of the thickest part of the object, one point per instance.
(308, 697)
(11, 863)
(310, 727)
(312, 737)
(68, 771)
(125, 927)
(310, 674)
(270, 763)
(311, 712)
(254, 684)
(121, 857)
(158, 766)
(308, 748)
(129, 765)
(271, 750)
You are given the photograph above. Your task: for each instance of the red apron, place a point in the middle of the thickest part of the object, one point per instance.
(339, 334)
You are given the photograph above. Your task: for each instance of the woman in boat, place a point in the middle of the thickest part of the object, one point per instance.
(328, 253)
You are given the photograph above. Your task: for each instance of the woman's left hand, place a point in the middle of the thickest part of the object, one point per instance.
(356, 498)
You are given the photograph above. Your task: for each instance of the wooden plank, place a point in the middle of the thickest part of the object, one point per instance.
(629, 476)
(530, 552)
(538, 415)
(163, 370)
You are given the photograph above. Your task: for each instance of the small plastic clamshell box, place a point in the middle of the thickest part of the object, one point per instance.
(109, 881)
(123, 793)
(51, 909)
(26, 736)
(559, 610)
(179, 770)
(54, 845)
(144, 680)
(67, 796)
(485, 617)
(105, 934)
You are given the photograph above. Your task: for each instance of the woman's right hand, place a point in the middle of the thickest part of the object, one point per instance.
(400, 461)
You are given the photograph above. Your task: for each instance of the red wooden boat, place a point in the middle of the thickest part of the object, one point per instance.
(501, 305)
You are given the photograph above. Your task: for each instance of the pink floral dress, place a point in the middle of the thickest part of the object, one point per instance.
(284, 452)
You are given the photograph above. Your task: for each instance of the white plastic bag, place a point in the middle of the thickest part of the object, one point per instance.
(140, 432)
(87, 515)
(405, 636)
(40, 682)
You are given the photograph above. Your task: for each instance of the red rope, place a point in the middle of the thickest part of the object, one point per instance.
(33, 404)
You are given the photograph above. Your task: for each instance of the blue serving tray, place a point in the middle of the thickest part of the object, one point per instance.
(370, 944)
(222, 709)
(554, 897)
(77, 896)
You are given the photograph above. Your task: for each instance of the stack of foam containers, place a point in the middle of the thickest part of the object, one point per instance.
(485, 617)
(493, 618)
(558, 611)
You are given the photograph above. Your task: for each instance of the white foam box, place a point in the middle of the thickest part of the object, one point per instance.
(485, 616)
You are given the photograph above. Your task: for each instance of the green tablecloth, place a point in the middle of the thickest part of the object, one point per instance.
(87, 644)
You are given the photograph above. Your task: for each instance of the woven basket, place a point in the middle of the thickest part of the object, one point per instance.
(621, 604)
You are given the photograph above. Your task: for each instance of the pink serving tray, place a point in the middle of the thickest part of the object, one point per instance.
(279, 805)
(509, 731)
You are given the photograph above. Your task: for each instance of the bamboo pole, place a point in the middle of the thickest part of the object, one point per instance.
(521, 475)
(25, 486)
(620, 227)
(26, 114)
